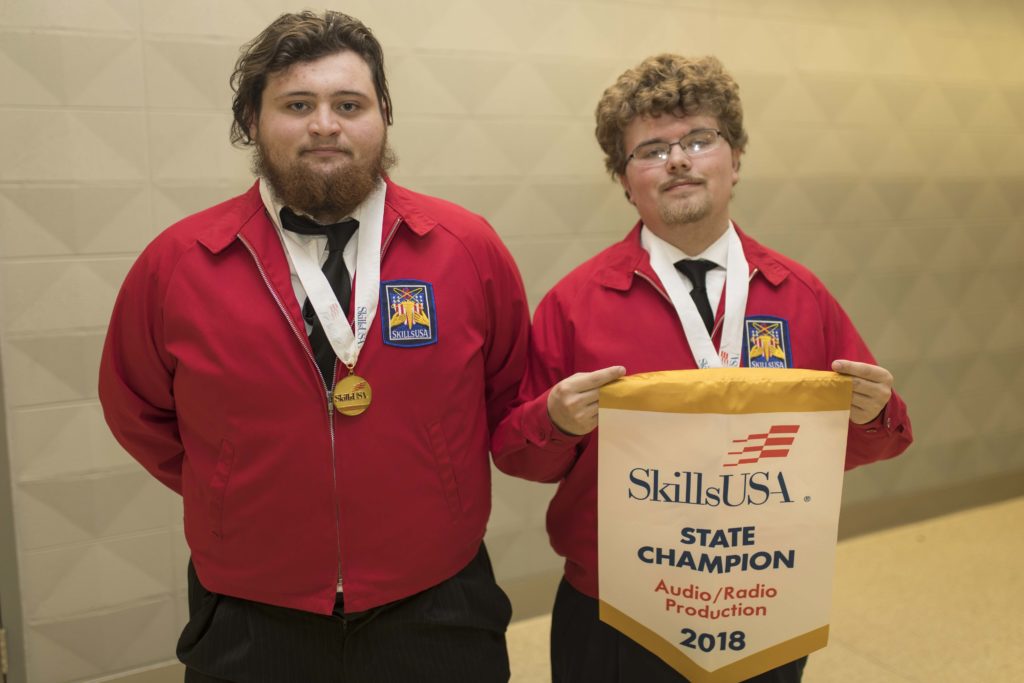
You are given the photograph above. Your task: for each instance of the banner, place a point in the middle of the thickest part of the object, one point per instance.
(718, 509)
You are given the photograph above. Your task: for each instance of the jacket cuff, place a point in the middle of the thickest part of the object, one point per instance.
(541, 431)
(883, 424)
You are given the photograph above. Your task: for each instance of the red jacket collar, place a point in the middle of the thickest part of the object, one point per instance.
(628, 258)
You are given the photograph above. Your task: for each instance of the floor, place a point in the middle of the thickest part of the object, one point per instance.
(929, 602)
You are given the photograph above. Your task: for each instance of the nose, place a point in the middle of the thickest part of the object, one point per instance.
(677, 158)
(324, 122)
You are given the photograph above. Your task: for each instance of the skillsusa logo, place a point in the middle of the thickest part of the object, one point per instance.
(408, 316)
(773, 444)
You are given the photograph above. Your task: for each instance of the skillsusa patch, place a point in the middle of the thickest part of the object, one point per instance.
(407, 313)
(766, 343)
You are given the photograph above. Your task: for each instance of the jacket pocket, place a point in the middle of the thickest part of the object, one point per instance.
(445, 469)
(219, 487)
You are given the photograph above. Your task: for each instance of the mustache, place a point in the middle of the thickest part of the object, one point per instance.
(675, 180)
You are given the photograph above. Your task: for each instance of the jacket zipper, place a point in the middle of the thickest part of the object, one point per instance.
(391, 235)
(330, 404)
(718, 323)
(327, 390)
(327, 393)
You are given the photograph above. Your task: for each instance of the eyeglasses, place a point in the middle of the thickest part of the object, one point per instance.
(693, 144)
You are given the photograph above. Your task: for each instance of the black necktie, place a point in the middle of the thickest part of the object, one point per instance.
(338, 235)
(695, 271)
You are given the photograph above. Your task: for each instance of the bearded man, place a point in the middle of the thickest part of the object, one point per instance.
(316, 366)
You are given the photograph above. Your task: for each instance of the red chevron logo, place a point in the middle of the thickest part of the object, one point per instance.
(773, 444)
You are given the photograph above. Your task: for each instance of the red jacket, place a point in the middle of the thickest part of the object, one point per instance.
(208, 380)
(613, 310)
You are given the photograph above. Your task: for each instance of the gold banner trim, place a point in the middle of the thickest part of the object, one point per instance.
(741, 670)
(726, 390)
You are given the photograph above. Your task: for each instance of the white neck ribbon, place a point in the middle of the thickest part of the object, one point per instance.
(346, 340)
(736, 288)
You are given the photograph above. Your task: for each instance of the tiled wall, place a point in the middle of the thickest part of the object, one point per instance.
(886, 152)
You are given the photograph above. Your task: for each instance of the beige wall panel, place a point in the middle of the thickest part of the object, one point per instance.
(96, 644)
(80, 509)
(101, 71)
(31, 72)
(525, 139)
(85, 15)
(72, 580)
(54, 220)
(543, 262)
(47, 296)
(444, 27)
(42, 370)
(63, 441)
(189, 75)
(78, 145)
(420, 89)
(240, 20)
(193, 146)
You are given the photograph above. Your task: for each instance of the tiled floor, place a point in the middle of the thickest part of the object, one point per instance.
(935, 601)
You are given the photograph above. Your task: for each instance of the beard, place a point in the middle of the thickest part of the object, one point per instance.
(692, 210)
(685, 210)
(323, 194)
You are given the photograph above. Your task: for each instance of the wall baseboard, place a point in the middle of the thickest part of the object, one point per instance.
(166, 672)
(875, 515)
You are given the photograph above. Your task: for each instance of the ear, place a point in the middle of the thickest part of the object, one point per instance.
(736, 165)
(625, 186)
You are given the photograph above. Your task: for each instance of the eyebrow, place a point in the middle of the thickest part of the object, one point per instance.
(693, 130)
(650, 140)
(310, 93)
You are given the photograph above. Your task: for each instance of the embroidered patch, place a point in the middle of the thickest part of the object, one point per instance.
(766, 343)
(408, 317)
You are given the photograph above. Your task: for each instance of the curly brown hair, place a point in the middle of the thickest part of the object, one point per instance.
(294, 38)
(668, 84)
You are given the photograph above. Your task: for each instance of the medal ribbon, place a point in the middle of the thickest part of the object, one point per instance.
(736, 287)
(346, 341)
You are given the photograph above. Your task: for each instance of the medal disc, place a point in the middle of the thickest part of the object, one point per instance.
(352, 395)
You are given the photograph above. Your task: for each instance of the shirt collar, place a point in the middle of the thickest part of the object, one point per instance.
(625, 259)
(718, 252)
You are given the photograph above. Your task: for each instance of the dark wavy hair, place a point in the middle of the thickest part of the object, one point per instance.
(294, 38)
(668, 84)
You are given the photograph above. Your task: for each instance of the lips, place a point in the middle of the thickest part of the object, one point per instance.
(326, 150)
(681, 182)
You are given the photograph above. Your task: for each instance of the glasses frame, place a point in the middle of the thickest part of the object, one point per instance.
(718, 136)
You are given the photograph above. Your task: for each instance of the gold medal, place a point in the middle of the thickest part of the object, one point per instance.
(352, 395)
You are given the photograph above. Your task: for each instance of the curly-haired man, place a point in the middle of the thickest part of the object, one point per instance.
(668, 297)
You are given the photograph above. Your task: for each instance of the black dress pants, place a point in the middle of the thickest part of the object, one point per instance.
(584, 649)
(452, 632)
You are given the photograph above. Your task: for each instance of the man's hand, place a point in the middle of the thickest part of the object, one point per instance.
(872, 387)
(572, 403)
